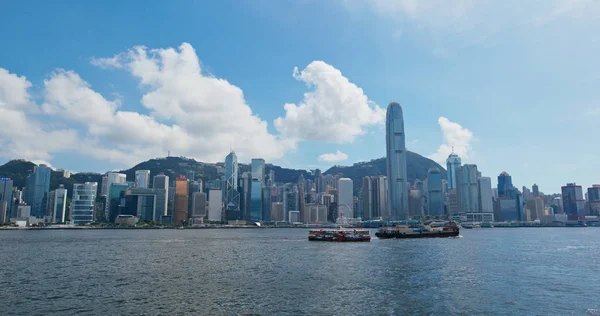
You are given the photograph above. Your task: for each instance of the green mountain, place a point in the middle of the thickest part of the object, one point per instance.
(417, 166)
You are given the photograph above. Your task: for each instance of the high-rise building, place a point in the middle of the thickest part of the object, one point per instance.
(594, 199)
(526, 194)
(6, 194)
(415, 209)
(467, 188)
(290, 199)
(277, 212)
(160, 185)
(232, 195)
(199, 207)
(505, 186)
(345, 200)
(4, 216)
(215, 205)
(181, 199)
(452, 202)
(266, 209)
(142, 178)
(113, 201)
(396, 163)
(374, 197)
(57, 200)
(435, 199)
(83, 203)
(573, 201)
(37, 187)
(258, 168)
(486, 202)
(109, 179)
(319, 181)
(535, 190)
(452, 163)
(256, 194)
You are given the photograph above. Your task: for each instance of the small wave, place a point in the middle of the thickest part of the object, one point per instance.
(592, 311)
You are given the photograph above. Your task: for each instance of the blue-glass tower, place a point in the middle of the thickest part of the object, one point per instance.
(37, 187)
(452, 163)
(396, 163)
(435, 197)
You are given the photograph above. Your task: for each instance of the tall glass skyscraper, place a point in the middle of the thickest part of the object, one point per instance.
(452, 163)
(37, 187)
(434, 192)
(232, 196)
(256, 195)
(396, 163)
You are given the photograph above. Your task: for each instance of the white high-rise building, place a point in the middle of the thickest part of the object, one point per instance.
(142, 179)
(160, 185)
(84, 202)
(396, 163)
(345, 197)
(215, 205)
(58, 204)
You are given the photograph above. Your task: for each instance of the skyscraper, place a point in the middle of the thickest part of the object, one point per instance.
(6, 194)
(535, 190)
(232, 196)
(142, 178)
(505, 186)
(452, 163)
(434, 192)
(38, 185)
(109, 179)
(83, 203)
(160, 185)
(58, 203)
(594, 199)
(486, 203)
(396, 163)
(573, 202)
(467, 188)
(215, 205)
(256, 202)
(181, 199)
(345, 200)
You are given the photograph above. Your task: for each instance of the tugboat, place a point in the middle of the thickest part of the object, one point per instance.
(339, 235)
(418, 230)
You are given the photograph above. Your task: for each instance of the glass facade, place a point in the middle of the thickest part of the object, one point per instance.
(396, 163)
(573, 201)
(232, 196)
(83, 203)
(434, 192)
(37, 187)
(452, 163)
(256, 202)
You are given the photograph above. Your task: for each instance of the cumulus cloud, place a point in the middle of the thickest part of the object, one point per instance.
(107, 63)
(21, 136)
(210, 114)
(337, 156)
(455, 136)
(336, 110)
(14, 92)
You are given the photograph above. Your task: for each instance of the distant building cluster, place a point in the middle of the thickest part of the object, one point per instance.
(255, 196)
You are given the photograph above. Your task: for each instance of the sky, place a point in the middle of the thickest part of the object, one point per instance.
(102, 85)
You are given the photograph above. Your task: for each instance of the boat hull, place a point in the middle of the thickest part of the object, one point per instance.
(400, 235)
(339, 239)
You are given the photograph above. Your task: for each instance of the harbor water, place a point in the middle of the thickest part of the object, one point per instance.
(499, 271)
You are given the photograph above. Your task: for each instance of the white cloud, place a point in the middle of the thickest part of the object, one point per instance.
(107, 63)
(455, 136)
(13, 92)
(335, 111)
(210, 114)
(22, 136)
(337, 156)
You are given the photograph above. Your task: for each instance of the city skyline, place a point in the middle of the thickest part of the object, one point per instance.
(321, 107)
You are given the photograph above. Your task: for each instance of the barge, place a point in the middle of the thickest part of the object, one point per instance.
(340, 235)
(417, 230)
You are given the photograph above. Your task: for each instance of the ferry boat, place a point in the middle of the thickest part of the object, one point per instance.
(418, 230)
(339, 235)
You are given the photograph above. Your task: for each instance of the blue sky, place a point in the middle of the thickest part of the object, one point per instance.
(512, 86)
